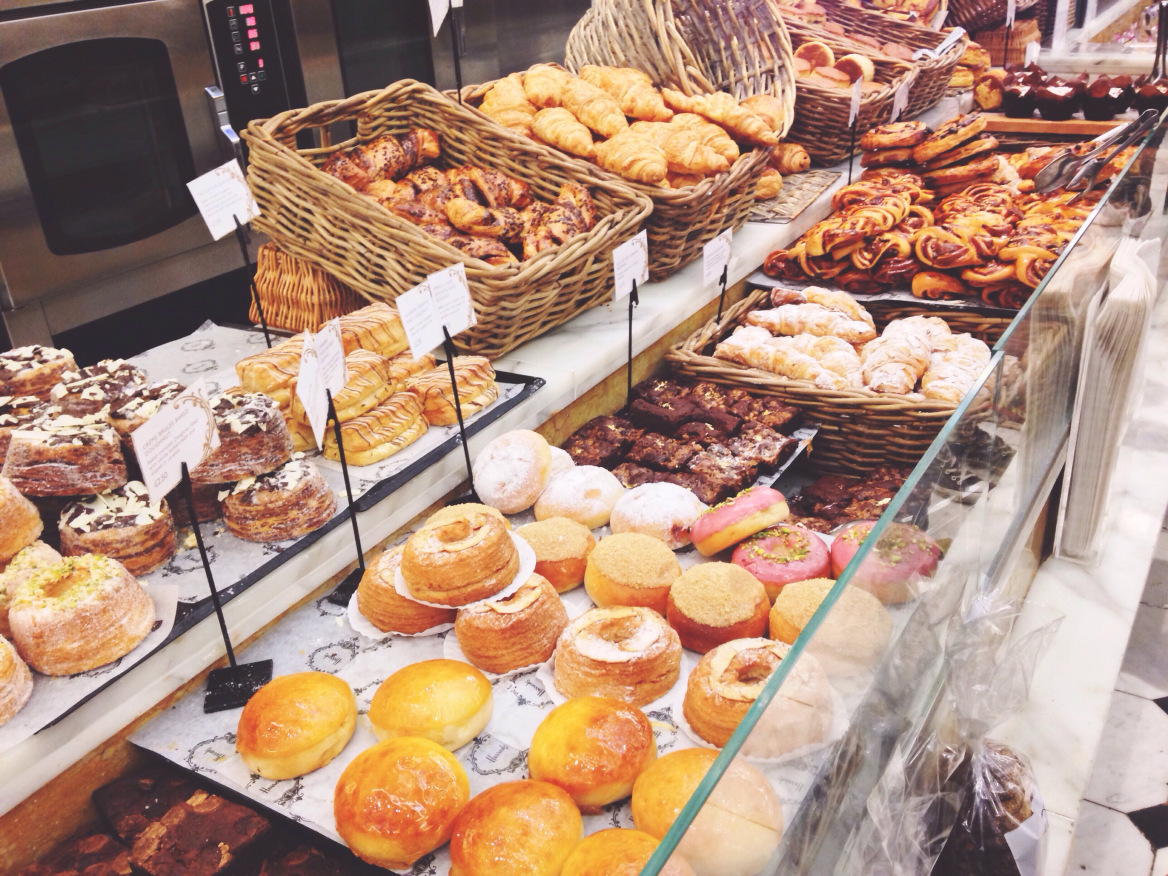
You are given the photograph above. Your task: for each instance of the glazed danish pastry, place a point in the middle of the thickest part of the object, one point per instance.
(65, 456)
(15, 682)
(894, 135)
(95, 388)
(949, 136)
(378, 434)
(476, 389)
(22, 522)
(460, 559)
(272, 372)
(79, 614)
(403, 366)
(121, 524)
(520, 630)
(37, 557)
(367, 384)
(252, 438)
(375, 327)
(627, 653)
(289, 502)
(33, 370)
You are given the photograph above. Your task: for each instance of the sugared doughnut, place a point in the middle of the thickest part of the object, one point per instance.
(459, 558)
(295, 724)
(561, 460)
(714, 603)
(727, 681)
(512, 470)
(751, 511)
(894, 566)
(15, 682)
(445, 701)
(389, 611)
(561, 549)
(584, 493)
(850, 638)
(664, 511)
(520, 630)
(782, 554)
(22, 522)
(619, 852)
(631, 569)
(627, 653)
(594, 748)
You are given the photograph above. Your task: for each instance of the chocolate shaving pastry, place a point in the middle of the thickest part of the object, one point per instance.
(123, 524)
(65, 456)
(17, 412)
(141, 402)
(253, 438)
(289, 502)
(99, 386)
(33, 370)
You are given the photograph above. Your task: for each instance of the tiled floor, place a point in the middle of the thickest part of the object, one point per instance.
(1122, 829)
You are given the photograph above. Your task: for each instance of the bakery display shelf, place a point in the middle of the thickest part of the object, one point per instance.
(997, 123)
(800, 191)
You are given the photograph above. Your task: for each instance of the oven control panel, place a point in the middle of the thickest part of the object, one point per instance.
(247, 53)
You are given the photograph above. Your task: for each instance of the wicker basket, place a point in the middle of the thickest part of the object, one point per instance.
(297, 295)
(985, 326)
(695, 46)
(684, 220)
(318, 218)
(994, 41)
(859, 429)
(933, 75)
(977, 15)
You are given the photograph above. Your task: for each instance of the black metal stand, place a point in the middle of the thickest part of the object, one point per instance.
(852, 148)
(455, 47)
(232, 686)
(722, 294)
(448, 346)
(344, 591)
(241, 237)
(634, 300)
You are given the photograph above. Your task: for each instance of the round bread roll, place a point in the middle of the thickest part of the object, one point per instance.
(398, 801)
(520, 630)
(737, 829)
(714, 603)
(663, 511)
(631, 569)
(561, 549)
(856, 67)
(389, 611)
(619, 852)
(893, 569)
(816, 54)
(561, 461)
(831, 77)
(585, 493)
(512, 470)
(782, 554)
(594, 748)
(726, 524)
(445, 701)
(527, 828)
(851, 638)
(295, 724)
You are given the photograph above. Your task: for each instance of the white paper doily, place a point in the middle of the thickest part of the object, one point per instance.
(369, 630)
(526, 568)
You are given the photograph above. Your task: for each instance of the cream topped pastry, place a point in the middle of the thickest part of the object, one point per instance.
(33, 370)
(96, 388)
(253, 438)
(141, 402)
(62, 455)
(289, 502)
(121, 523)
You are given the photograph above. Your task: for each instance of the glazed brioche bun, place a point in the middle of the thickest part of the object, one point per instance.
(851, 638)
(594, 748)
(398, 801)
(445, 701)
(619, 852)
(856, 67)
(737, 829)
(512, 470)
(714, 603)
(561, 549)
(526, 828)
(816, 54)
(295, 724)
(631, 569)
(726, 524)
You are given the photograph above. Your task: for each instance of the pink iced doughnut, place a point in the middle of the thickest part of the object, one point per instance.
(894, 566)
(783, 554)
(751, 511)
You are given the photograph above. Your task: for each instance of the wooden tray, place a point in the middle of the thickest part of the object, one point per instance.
(997, 123)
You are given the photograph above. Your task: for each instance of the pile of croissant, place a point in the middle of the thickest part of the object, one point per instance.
(673, 140)
(826, 337)
(888, 231)
(482, 212)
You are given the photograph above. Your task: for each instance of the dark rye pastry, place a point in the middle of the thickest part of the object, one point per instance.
(121, 524)
(33, 370)
(132, 802)
(95, 855)
(289, 502)
(139, 403)
(18, 412)
(65, 456)
(204, 835)
(96, 388)
(253, 438)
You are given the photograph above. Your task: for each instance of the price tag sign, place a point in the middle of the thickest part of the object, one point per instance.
(330, 356)
(900, 100)
(854, 110)
(221, 195)
(310, 389)
(183, 430)
(451, 295)
(1011, 11)
(939, 19)
(630, 262)
(716, 257)
(442, 300)
(438, 10)
(1032, 49)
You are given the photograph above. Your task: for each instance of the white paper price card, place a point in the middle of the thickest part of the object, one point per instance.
(330, 357)
(438, 10)
(854, 109)
(183, 430)
(442, 300)
(939, 19)
(630, 262)
(1032, 50)
(451, 295)
(310, 389)
(1011, 11)
(716, 257)
(900, 99)
(222, 195)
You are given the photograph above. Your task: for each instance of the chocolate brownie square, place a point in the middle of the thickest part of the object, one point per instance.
(303, 861)
(132, 802)
(872, 492)
(831, 488)
(615, 429)
(664, 454)
(632, 475)
(707, 489)
(768, 411)
(708, 393)
(815, 524)
(720, 461)
(664, 418)
(591, 450)
(658, 391)
(768, 451)
(888, 476)
(205, 835)
(703, 433)
(718, 418)
(867, 509)
(96, 855)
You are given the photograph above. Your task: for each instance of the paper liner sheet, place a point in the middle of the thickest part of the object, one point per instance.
(366, 627)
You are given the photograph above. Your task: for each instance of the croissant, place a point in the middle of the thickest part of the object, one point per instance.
(684, 151)
(709, 134)
(632, 89)
(559, 128)
(536, 237)
(486, 249)
(682, 180)
(814, 319)
(504, 223)
(769, 184)
(508, 105)
(387, 189)
(544, 83)
(954, 370)
(834, 354)
(755, 348)
(770, 109)
(425, 178)
(594, 107)
(790, 158)
(633, 156)
(726, 111)
(832, 299)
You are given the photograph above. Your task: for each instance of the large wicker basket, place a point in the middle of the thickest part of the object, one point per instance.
(297, 295)
(859, 429)
(684, 220)
(318, 218)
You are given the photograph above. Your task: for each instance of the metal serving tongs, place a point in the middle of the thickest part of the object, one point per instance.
(933, 54)
(1066, 166)
(1084, 179)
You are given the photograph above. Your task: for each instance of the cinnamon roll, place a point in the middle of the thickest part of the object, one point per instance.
(65, 456)
(520, 630)
(252, 438)
(33, 370)
(289, 502)
(121, 524)
(389, 611)
(15, 682)
(96, 388)
(22, 522)
(459, 559)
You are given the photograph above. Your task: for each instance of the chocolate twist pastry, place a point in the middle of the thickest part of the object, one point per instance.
(1029, 269)
(821, 267)
(896, 271)
(784, 263)
(991, 273)
(890, 244)
(860, 281)
(1009, 295)
(503, 223)
(939, 248)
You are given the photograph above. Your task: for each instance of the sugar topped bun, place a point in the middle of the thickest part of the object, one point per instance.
(512, 470)
(714, 603)
(619, 852)
(561, 547)
(664, 511)
(295, 724)
(445, 701)
(851, 638)
(585, 493)
(631, 569)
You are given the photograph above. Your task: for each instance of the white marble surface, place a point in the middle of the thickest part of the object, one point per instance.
(1106, 843)
(1131, 769)
(1145, 666)
(1160, 863)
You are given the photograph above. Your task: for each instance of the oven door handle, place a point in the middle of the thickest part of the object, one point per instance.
(231, 146)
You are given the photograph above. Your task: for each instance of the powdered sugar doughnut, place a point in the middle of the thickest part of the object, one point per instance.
(584, 493)
(561, 461)
(664, 511)
(511, 471)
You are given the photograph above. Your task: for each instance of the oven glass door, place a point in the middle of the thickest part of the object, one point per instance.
(101, 134)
